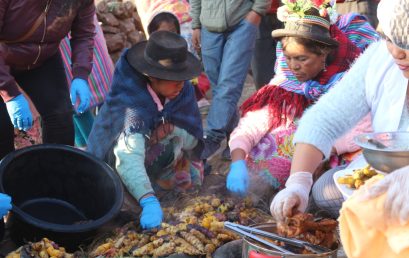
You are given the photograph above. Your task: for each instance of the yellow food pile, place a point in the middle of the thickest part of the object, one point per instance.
(195, 230)
(358, 177)
(41, 249)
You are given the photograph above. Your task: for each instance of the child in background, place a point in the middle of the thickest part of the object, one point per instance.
(173, 15)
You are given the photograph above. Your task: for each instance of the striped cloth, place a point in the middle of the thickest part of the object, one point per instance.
(100, 78)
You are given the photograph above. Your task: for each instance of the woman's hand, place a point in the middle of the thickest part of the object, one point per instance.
(293, 197)
(80, 88)
(253, 18)
(20, 113)
(237, 180)
(396, 187)
(161, 132)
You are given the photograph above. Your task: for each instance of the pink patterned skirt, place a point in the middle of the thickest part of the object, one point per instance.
(271, 158)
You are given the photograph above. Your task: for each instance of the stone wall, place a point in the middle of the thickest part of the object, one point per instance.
(121, 25)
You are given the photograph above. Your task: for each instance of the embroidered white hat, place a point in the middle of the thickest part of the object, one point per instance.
(393, 16)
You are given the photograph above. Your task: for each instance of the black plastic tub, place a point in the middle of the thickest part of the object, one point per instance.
(59, 192)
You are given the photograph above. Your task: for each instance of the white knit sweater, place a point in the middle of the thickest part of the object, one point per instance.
(349, 101)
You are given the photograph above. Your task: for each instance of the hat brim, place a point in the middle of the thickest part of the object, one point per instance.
(277, 34)
(136, 60)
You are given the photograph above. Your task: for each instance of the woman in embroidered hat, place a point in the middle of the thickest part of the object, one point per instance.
(312, 55)
(149, 128)
(376, 83)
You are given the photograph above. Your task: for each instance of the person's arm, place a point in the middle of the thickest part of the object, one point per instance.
(8, 86)
(346, 143)
(195, 10)
(335, 113)
(259, 9)
(130, 165)
(261, 6)
(251, 128)
(82, 41)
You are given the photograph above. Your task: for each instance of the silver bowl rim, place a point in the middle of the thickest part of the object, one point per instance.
(369, 146)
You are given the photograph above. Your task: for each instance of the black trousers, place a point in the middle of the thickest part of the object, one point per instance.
(264, 57)
(47, 88)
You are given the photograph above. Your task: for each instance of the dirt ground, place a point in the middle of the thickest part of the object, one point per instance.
(214, 184)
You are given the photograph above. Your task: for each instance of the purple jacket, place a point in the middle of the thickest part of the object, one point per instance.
(17, 18)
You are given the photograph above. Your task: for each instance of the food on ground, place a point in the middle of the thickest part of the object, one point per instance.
(41, 249)
(359, 177)
(195, 230)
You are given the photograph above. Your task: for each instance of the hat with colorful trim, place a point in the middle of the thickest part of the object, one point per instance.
(306, 19)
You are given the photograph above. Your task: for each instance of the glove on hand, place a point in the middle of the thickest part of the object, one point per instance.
(396, 187)
(5, 204)
(152, 214)
(238, 177)
(80, 87)
(294, 195)
(20, 113)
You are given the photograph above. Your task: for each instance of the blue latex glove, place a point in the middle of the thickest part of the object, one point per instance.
(79, 87)
(5, 204)
(238, 177)
(152, 214)
(20, 113)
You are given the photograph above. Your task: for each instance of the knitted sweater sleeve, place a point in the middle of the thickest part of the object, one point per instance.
(130, 164)
(339, 110)
(251, 128)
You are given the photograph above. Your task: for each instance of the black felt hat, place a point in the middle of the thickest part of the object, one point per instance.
(164, 56)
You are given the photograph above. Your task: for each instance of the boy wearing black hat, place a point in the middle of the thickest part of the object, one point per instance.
(150, 126)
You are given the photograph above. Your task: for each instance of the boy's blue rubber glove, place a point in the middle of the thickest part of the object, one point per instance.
(238, 177)
(20, 113)
(79, 87)
(5, 204)
(152, 214)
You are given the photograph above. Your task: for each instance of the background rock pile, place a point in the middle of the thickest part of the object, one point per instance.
(121, 25)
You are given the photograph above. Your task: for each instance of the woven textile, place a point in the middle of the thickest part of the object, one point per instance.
(100, 79)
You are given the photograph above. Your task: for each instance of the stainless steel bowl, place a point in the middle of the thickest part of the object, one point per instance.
(386, 151)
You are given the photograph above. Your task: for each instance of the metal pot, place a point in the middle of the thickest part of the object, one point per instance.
(252, 249)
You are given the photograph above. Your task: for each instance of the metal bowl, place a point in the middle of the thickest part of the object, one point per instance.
(386, 151)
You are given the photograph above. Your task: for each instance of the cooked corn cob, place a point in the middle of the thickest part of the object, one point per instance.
(193, 241)
(200, 236)
(165, 249)
(148, 248)
(185, 247)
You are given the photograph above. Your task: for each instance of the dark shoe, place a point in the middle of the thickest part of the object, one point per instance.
(226, 154)
(210, 147)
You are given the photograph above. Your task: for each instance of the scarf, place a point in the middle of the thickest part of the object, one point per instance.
(130, 109)
(287, 97)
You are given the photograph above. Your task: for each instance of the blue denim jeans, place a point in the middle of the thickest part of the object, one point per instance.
(226, 58)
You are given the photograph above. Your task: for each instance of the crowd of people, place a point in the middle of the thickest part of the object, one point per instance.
(322, 70)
